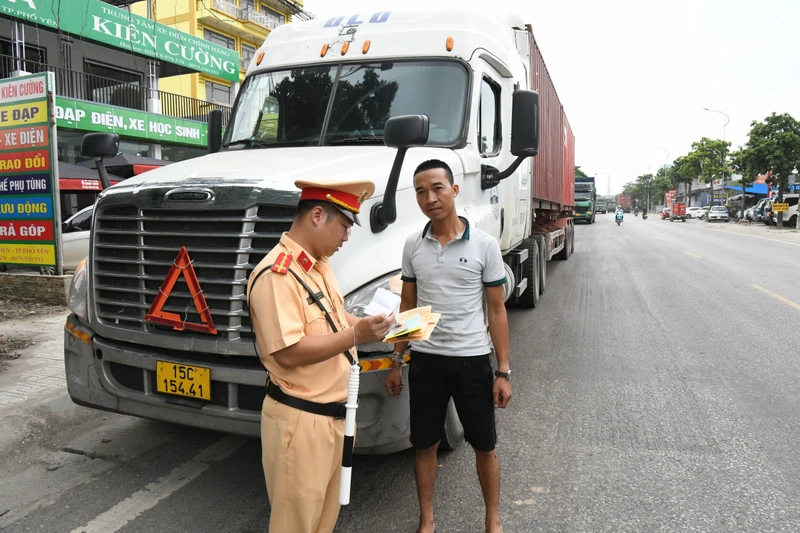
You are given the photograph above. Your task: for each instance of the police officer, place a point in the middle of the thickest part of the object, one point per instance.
(296, 306)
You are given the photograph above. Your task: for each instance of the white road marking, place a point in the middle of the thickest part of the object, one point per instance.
(128, 509)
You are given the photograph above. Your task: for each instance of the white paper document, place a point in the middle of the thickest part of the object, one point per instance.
(384, 302)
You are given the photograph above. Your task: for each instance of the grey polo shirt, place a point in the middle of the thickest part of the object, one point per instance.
(451, 279)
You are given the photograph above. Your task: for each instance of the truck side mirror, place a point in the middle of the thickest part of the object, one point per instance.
(525, 124)
(524, 136)
(402, 133)
(406, 131)
(100, 145)
(214, 131)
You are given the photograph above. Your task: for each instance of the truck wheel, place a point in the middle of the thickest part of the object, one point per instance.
(570, 247)
(544, 256)
(530, 271)
(564, 253)
(453, 430)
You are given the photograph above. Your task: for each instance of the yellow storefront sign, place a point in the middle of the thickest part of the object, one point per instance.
(23, 114)
(28, 254)
(780, 207)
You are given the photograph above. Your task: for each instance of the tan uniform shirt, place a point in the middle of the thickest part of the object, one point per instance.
(282, 314)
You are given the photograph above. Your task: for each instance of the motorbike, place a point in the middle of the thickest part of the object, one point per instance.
(636, 212)
(644, 216)
(618, 219)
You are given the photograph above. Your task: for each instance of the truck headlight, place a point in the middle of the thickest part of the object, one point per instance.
(358, 300)
(79, 290)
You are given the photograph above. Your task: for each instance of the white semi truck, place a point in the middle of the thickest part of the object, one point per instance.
(317, 101)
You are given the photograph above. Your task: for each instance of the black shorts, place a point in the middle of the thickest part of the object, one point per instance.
(433, 380)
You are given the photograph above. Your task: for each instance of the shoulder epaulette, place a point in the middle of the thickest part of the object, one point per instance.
(281, 265)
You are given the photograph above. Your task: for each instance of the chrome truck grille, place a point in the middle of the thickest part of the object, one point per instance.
(134, 249)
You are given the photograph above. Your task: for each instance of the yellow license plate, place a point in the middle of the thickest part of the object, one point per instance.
(183, 380)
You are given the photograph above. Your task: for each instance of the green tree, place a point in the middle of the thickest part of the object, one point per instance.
(684, 170)
(742, 161)
(774, 147)
(710, 158)
(580, 173)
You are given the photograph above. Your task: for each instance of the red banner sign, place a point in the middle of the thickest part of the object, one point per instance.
(36, 160)
(30, 137)
(27, 230)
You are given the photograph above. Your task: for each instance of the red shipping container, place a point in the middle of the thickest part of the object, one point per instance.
(554, 167)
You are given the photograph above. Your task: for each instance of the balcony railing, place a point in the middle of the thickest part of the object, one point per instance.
(232, 10)
(244, 63)
(83, 86)
(229, 8)
(260, 18)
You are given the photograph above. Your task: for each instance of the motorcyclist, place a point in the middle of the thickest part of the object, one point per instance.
(644, 213)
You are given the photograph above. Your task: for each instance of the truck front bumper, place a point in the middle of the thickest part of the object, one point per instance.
(119, 377)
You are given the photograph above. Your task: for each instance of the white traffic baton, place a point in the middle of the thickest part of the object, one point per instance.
(349, 433)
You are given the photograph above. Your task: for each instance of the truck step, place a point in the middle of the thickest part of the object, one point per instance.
(521, 288)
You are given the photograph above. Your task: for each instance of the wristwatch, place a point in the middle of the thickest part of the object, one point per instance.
(397, 357)
(506, 375)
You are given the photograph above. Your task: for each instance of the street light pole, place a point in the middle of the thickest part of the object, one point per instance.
(724, 125)
(665, 159)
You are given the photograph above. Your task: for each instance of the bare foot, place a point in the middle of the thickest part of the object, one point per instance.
(427, 528)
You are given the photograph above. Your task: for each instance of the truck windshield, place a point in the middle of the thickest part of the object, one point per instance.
(583, 196)
(348, 103)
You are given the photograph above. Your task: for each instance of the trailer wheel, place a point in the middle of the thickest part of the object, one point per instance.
(571, 239)
(531, 271)
(453, 430)
(569, 246)
(544, 256)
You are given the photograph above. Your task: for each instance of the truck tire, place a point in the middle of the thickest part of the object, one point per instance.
(453, 430)
(571, 233)
(530, 271)
(544, 256)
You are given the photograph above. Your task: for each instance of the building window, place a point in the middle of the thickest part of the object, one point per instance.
(173, 152)
(247, 53)
(248, 5)
(273, 15)
(216, 92)
(35, 59)
(489, 127)
(247, 56)
(218, 38)
(114, 86)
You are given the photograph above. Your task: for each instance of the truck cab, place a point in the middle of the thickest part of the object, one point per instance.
(585, 198)
(317, 101)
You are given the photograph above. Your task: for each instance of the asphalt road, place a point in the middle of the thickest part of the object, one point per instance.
(655, 390)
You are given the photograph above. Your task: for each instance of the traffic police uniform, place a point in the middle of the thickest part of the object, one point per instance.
(301, 450)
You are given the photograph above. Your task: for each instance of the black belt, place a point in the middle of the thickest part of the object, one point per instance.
(334, 410)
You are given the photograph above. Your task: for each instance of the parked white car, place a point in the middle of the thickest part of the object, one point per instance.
(695, 212)
(75, 237)
(790, 216)
(718, 212)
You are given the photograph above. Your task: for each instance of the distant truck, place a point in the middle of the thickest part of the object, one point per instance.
(602, 206)
(624, 202)
(585, 199)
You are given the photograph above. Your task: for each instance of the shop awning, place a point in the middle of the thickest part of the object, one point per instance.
(80, 178)
(126, 166)
(756, 188)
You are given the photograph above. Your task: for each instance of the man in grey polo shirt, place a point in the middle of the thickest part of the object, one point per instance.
(453, 268)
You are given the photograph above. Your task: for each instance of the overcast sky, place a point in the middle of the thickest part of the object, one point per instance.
(636, 75)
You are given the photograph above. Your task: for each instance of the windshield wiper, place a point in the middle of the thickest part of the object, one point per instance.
(364, 138)
(250, 142)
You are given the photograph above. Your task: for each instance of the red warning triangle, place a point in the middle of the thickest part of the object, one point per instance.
(181, 266)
